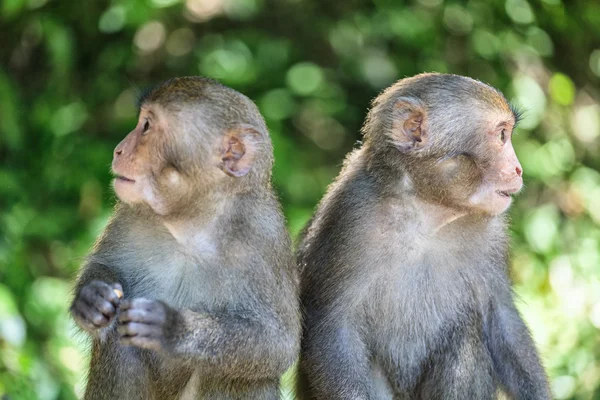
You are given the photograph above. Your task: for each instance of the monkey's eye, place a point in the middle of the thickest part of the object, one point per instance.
(503, 135)
(146, 127)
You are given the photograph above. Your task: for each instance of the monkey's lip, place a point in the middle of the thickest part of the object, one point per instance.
(124, 179)
(507, 192)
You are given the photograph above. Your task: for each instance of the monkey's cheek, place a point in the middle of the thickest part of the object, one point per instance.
(164, 196)
(171, 177)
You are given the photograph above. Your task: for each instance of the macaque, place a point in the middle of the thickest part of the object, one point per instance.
(191, 291)
(404, 278)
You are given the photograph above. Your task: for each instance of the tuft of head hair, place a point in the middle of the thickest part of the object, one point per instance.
(445, 98)
(222, 102)
(186, 89)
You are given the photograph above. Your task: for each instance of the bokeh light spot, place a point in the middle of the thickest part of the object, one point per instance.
(540, 41)
(180, 42)
(304, 78)
(458, 19)
(112, 20)
(68, 119)
(585, 122)
(232, 63)
(150, 37)
(595, 62)
(241, 9)
(164, 3)
(378, 70)
(485, 43)
(203, 10)
(277, 104)
(519, 11)
(125, 105)
(541, 228)
(562, 89)
(563, 386)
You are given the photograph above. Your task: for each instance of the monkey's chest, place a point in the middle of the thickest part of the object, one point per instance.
(182, 282)
(413, 307)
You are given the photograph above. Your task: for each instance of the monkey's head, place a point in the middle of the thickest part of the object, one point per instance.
(449, 137)
(193, 137)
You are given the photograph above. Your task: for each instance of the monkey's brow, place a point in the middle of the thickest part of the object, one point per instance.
(517, 112)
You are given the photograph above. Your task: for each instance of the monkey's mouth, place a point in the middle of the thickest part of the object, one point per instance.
(124, 179)
(507, 192)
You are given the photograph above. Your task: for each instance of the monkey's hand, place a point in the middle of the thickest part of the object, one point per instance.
(142, 323)
(96, 305)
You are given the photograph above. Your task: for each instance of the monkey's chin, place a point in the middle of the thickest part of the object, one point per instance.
(127, 190)
(491, 203)
(499, 205)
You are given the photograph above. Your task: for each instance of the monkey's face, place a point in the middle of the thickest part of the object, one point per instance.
(174, 157)
(450, 137)
(144, 173)
(468, 164)
(484, 178)
(501, 170)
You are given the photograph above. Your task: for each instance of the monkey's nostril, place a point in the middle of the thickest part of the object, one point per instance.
(519, 171)
(118, 152)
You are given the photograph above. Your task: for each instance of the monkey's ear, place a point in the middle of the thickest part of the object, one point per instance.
(238, 151)
(409, 126)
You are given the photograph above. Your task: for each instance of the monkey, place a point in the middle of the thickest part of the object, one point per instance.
(405, 285)
(192, 290)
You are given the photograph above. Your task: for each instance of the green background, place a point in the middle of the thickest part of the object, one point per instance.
(69, 71)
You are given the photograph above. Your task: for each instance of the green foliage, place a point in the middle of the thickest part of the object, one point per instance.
(69, 73)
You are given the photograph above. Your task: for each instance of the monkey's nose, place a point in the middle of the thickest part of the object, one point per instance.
(519, 171)
(118, 152)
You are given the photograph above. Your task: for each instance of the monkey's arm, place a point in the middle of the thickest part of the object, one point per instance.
(513, 352)
(335, 361)
(95, 271)
(254, 344)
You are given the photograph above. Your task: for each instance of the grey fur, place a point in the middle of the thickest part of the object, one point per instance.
(225, 319)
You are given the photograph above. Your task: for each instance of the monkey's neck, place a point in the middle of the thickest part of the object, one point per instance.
(196, 233)
(435, 217)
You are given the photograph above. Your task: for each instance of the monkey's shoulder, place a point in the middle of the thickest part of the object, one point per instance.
(130, 236)
(258, 222)
(349, 202)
